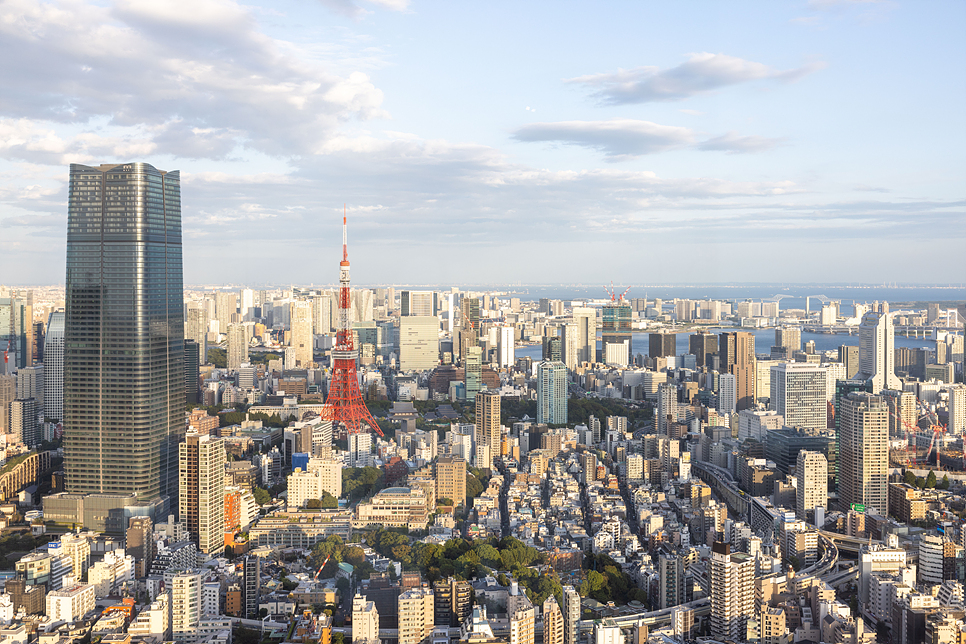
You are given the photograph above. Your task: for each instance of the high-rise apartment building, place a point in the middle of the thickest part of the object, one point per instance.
(811, 469)
(957, 410)
(727, 393)
(23, 421)
(736, 351)
(569, 346)
(196, 328)
(192, 371)
(864, 451)
(673, 581)
(30, 384)
(798, 394)
(237, 354)
(322, 314)
(877, 351)
(365, 620)
(451, 479)
(571, 615)
(251, 585)
(553, 624)
(505, 346)
(418, 343)
(487, 437)
(473, 371)
(552, 393)
(469, 325)
(789, 338)
(124, 331)
(8, 393)
(416, 616)
(300, 315)
(54, 368)
(202, 498)
(226, 310)
(732, 590)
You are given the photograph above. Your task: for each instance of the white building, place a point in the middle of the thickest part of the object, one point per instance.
(506, 346)
(322, 475)
(365, 620)
(727, 393)
(360, 450)
(798, 392)
(54, 367)
(957, 409)
(70, 604)
(811, 470)
(111, 572)
(418, 343)
(552, 392)
(877, 351)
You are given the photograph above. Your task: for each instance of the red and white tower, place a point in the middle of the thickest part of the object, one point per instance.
(345, 404)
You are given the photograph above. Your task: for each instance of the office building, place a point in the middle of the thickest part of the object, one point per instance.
(811, 470)
(30, 384)
(451, 479)
(798, 394)
(54, 368)
(789, 338)
(226, 310)
(237, 346)
(727, 393)
(736, 351)
(662, 345)
(703, 345)
(570, 345)
(957, 410)
(418, 343)
(849, 356)
(469, 335)
(365, 620)
(487, 439)
(360, 449)
(585, 319)
(202, 499)
(418, 303)
(416, 616)
(571, 615)
(877, 351)
(552, 393)
(300, 315)
(732, 590)
(8, 393)
(615, 329)
(124, 372)
(864, 455)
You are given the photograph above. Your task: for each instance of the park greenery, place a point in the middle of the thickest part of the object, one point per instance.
(476, 482)
(362, 482)
(605, 581)
(579, 410)
(15, 543)
(219, 357)
(927, 483)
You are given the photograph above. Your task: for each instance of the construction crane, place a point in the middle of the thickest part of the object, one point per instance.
(315, 578)
(613, 296)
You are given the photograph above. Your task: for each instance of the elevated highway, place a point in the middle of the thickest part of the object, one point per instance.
(724, 486)
(701, 607)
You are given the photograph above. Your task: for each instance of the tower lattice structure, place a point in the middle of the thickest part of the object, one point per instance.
(345, 404)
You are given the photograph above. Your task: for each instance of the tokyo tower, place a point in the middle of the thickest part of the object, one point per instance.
(345, 403)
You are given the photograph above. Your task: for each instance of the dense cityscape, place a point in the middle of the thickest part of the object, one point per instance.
(441, 465)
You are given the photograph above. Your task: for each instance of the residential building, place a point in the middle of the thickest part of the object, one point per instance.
(202, 498)
(416, 616)
(54, 368)
(365, 620)
(732, 590)
(487, 438)
(571, 615)
(812, 491)
(451, 479)
(300, 317)
(552, 393)
(70, 604)
(864, 456)
(237, 346)
(553, 622)
(877, 351)
(798, 394)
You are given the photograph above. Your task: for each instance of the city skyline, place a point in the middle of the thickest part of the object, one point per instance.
(822, 130)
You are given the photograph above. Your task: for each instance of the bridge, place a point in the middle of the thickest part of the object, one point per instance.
(847, 544)
(724, 486)
(830, 557)
(701, 608)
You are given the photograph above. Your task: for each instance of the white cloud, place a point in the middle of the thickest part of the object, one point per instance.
(619, 139)
(701, 73)
(734, 143)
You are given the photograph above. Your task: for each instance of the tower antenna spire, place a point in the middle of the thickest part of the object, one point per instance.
(345, 245)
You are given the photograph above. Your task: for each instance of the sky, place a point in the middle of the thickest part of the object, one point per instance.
(501, 142)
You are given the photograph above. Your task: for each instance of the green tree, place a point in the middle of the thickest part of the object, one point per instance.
(794, 562)
(944, 484)
(931, 479)
(261, 496)
(328, 501)
(338, 638)
(910, 477)
(313, 504)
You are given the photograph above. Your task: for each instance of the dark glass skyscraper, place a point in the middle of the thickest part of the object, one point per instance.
(124, 379)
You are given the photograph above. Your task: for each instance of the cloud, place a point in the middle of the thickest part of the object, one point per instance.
(350, 9)
(733, 143)
(619, 139)
(198, 77)
(701, 73)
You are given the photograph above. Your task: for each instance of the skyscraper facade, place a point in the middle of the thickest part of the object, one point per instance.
(124, 331)
(552, 393)
(301, 321)
(54, 367)
(237, 353)
(864, 456)
(811, 469)
(487, 437)
(586, 320)
(798, 394)
(737, 356)
(615, 328)
(418, 343)
(877, 351)
(732, 591)
(702, 346)
(662, 345)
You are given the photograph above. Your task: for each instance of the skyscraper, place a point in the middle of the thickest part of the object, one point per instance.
(192, 371)
(226, 310)
(237, 346)
(124, 331)
(418, 343)
(737, 356)
(877, 351)
(506, 346)
(586, 321)
(202, 498)
(553, 626)
(54, 367)
(418, 303)
(487, 428)
(416, 616)
(552, 393)
(473, 370)
(811, 469)
(469, 325)
(864, 455)
(197, 329)
(702, 345)
(662, 345)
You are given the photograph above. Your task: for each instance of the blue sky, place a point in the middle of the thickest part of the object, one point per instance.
(493, 142)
